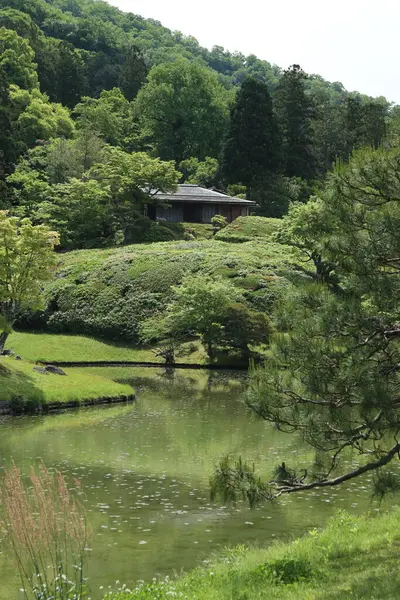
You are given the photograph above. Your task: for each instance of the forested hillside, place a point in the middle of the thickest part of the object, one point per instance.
(101, 109)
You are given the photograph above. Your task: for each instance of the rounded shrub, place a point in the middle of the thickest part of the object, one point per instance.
(159, 233)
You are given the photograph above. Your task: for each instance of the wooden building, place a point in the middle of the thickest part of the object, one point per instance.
(194, 204)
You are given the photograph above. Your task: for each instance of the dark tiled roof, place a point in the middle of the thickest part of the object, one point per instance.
(188, 192)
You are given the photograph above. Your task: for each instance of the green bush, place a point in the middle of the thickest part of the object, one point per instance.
(160, 233)
(177, 228)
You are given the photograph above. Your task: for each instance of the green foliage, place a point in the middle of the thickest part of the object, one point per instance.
(252, 146)
(285, 570)
(244, 327)
(183, 111)
(332, 373)
(158, 233)
(202, 173)
(295, 111)
(26, 261)
(218, 222)
(231, 483)
(111, 293)
(39, 119)
(16, 59)
(95, 207)
(110, 116)
(199, 306)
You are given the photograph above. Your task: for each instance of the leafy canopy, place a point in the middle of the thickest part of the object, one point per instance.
(26, 261)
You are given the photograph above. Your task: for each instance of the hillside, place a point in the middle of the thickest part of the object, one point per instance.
(110, 293)
(104, 33)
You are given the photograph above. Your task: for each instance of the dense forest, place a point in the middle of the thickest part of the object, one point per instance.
(101, 109)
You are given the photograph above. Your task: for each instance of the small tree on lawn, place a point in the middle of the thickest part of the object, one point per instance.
(26, 261)
(199, 307)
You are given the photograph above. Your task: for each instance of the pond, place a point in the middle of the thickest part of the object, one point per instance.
(146, 466)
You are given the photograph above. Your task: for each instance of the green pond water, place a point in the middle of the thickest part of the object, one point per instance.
(145, 468)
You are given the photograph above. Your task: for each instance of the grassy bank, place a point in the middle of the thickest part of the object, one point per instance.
(25, 388)
(354, 557)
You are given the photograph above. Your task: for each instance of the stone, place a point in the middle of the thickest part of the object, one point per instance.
(41, 370)
(18, 357)
(54, 370)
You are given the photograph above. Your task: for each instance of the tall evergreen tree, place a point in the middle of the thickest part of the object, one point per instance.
(253, 146)
(134, 72)
(295, 110)
(7, 142)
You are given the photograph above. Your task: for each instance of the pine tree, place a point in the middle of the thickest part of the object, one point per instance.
(252, 147)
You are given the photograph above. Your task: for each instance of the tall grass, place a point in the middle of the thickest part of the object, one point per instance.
(44, 525)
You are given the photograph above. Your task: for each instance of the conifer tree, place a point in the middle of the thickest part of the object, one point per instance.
(252, 147)
(295, 111)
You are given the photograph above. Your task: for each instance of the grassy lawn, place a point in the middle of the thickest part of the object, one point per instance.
(354, 557)
(73, 348)
(18, 378)
(47, 347)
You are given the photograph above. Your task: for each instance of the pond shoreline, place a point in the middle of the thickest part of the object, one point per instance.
(55, 407)
(125, 363)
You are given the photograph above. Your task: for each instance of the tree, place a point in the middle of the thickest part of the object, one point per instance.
(244, 327)
(26, 261)
(365, 123)
(110, 116)
(202, 173)
(199, 307)
(72, 77)
(333, 369)
(8, 143)
(16, 59)
(134, 72)
(38, 118)
(81, 212)
(295, 109)
(183, 111)
(252, 147)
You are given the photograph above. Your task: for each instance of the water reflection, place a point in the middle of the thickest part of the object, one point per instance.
(145, 468)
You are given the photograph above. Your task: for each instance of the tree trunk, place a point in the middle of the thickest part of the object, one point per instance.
(3, 338)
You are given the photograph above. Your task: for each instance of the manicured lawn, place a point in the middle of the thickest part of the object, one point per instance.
(47, 347)
(353, 558)
(18, 378)
(73, 348)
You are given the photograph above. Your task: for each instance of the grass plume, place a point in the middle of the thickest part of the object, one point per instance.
(44, 525)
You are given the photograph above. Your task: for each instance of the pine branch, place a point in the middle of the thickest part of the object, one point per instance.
(372, 466)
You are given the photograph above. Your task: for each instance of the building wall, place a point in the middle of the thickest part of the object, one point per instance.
(199, 212)
(173, 213)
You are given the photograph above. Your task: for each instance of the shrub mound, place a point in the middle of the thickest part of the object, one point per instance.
(109, 293)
